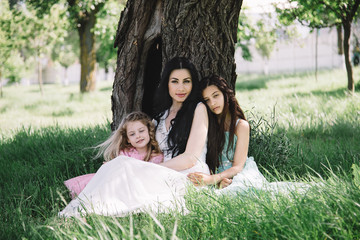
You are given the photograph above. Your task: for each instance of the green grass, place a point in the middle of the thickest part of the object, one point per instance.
(302, 130)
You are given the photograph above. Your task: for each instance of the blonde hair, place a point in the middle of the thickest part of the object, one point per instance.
(118, 141)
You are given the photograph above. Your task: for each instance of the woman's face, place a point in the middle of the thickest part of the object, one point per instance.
(214, 98)
(180, 85)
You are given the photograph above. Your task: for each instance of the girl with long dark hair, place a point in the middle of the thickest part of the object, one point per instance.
(229, 133)
(228, 143)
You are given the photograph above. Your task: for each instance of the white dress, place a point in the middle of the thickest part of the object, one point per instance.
(127, 185)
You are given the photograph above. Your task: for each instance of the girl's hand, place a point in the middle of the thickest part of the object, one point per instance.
(225, 182)
(200, 179)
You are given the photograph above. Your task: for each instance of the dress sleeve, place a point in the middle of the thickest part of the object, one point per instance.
(126, 152)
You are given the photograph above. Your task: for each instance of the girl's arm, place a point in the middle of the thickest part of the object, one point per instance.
(242, 131)
(195, 143)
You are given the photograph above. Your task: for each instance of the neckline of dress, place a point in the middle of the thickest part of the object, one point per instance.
(166, 114)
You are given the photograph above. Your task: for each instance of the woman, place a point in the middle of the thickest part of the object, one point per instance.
(228, 144)
(126, 185)
(181, 121)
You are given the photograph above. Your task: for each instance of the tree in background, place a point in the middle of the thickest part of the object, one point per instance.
(263, 34)
(245, 34)
(43, 33)
(105, 31)
(66, 53)
(83, 16)
(265, 37)
(7, 45)
(12, 39)
(325, 13)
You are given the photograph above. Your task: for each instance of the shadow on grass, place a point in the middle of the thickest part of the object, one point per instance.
(37, 161)
(106, 89)
(325, 147)
(357, 87)
(255, 81)
(336, 93)
(62, 113)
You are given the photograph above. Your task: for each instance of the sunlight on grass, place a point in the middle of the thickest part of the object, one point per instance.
(61, 105)
(299, 100)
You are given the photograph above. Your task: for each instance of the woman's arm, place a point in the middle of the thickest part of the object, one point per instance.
(195, 143)
(242, 131)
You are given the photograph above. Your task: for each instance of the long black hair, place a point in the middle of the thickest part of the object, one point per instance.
(216, 133)
(181, 124)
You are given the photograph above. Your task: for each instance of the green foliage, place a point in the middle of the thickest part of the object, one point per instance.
(25, 36)
(77, 9)
(315, 14)
(266, 38)
(11, 40)
(44, 32)
(66, 52)
(271, 148)
(105, 32)
(245, 33)
(264, 33)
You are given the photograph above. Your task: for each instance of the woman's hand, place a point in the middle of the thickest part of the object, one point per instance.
(201, 179)
(225, 182)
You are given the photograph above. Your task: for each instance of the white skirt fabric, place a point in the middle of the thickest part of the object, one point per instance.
(127, 185)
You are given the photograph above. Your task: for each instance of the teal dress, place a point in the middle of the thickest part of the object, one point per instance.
(250, 178)
(225, 162)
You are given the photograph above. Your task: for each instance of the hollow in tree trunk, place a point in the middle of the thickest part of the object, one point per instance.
(151, 32)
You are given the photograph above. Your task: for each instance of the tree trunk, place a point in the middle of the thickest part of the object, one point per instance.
(347, 34)
(340, 39)
(151, 32)
(66, 79)
(40, 73)
(1, 85)
(316, 53)
(87, 52)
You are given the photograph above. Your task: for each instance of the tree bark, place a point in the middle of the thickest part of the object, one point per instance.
(39, 72)
(340, 39)
(132, 53)
(204, 31)
(87, 52)
(347, 34)
(316, 53)
(151, 32)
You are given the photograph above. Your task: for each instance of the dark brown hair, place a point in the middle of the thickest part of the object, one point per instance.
(181, 124)
(216, 133)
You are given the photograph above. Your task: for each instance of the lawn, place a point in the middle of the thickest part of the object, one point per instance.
(302, 130)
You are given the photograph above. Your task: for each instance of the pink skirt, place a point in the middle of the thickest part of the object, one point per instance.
(77, 184)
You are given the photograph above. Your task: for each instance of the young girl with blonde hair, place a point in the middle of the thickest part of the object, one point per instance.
(135, 137)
